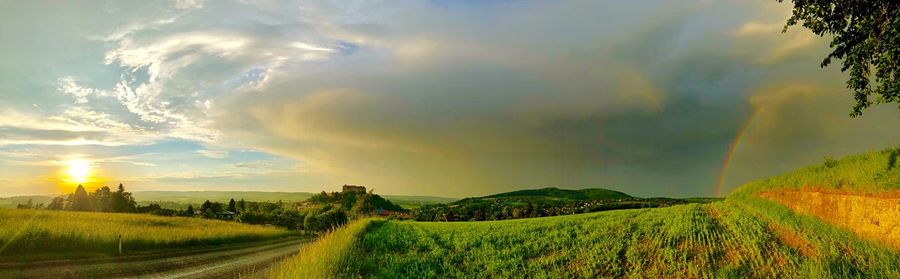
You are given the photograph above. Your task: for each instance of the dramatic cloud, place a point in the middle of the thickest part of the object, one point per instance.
(420, 97)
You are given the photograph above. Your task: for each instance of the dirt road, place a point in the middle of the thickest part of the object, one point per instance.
(240, 261)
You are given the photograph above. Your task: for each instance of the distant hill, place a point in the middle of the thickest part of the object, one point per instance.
(562, 194)
(12, 202)
(197, 197)
(537, 203)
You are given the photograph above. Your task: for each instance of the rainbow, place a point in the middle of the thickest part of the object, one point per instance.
(729, 156)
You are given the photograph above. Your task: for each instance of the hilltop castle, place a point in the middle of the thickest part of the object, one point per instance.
(354, 188)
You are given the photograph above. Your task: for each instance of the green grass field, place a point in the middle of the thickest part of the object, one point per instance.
(60, 233)
(742, 236)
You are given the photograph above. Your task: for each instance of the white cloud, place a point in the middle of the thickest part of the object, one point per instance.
(214, 154)
(305, 46)
(189, 4)
(87, 118)
(164, 57)
(754, 28)
(133, 27)
(68, 86)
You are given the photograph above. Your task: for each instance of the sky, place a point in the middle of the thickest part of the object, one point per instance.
(446, 98)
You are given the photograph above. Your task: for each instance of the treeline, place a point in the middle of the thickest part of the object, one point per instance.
(502, 209)
(320, 213)
(103, 199)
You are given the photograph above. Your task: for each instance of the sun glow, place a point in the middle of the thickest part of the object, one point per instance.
(78, 170)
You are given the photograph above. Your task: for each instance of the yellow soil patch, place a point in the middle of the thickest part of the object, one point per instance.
(794, 240)
(870, 216)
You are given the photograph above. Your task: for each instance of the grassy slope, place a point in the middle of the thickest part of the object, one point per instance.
(28, 232)
(867, 173)
(743, 236)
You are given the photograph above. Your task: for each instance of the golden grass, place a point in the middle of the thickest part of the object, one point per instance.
(28, 232)
(327, 257)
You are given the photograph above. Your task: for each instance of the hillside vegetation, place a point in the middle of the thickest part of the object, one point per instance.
(35, 232)
(868, 173)
(560, 194)
(860, 193)
(747, 235)
(537, 203)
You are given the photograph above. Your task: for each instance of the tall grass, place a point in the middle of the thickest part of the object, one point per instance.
(28, 232)
(867, 173)
(330, 256)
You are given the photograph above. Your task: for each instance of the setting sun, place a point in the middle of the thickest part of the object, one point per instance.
(78, 170)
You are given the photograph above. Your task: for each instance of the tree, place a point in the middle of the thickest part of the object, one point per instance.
(206, 205)
(80, 200)
(28, 205)
(214, 207)
(232, 206)
(209, 214)
(866, 36)
(331, 219)
(363, 206)
(190, 211)
(122, 201)
(102, 199)
(289, 219)
(312, 222)
(242, 205)
(58, 203)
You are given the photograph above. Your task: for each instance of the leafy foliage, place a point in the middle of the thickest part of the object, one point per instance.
(102, 199)
(866, 36)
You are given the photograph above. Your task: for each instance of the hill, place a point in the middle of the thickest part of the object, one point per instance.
(12, 202)
(197, 197)
(759, 231)
(25, 233)
(561, 194)
(536, 203)
(350, 201)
